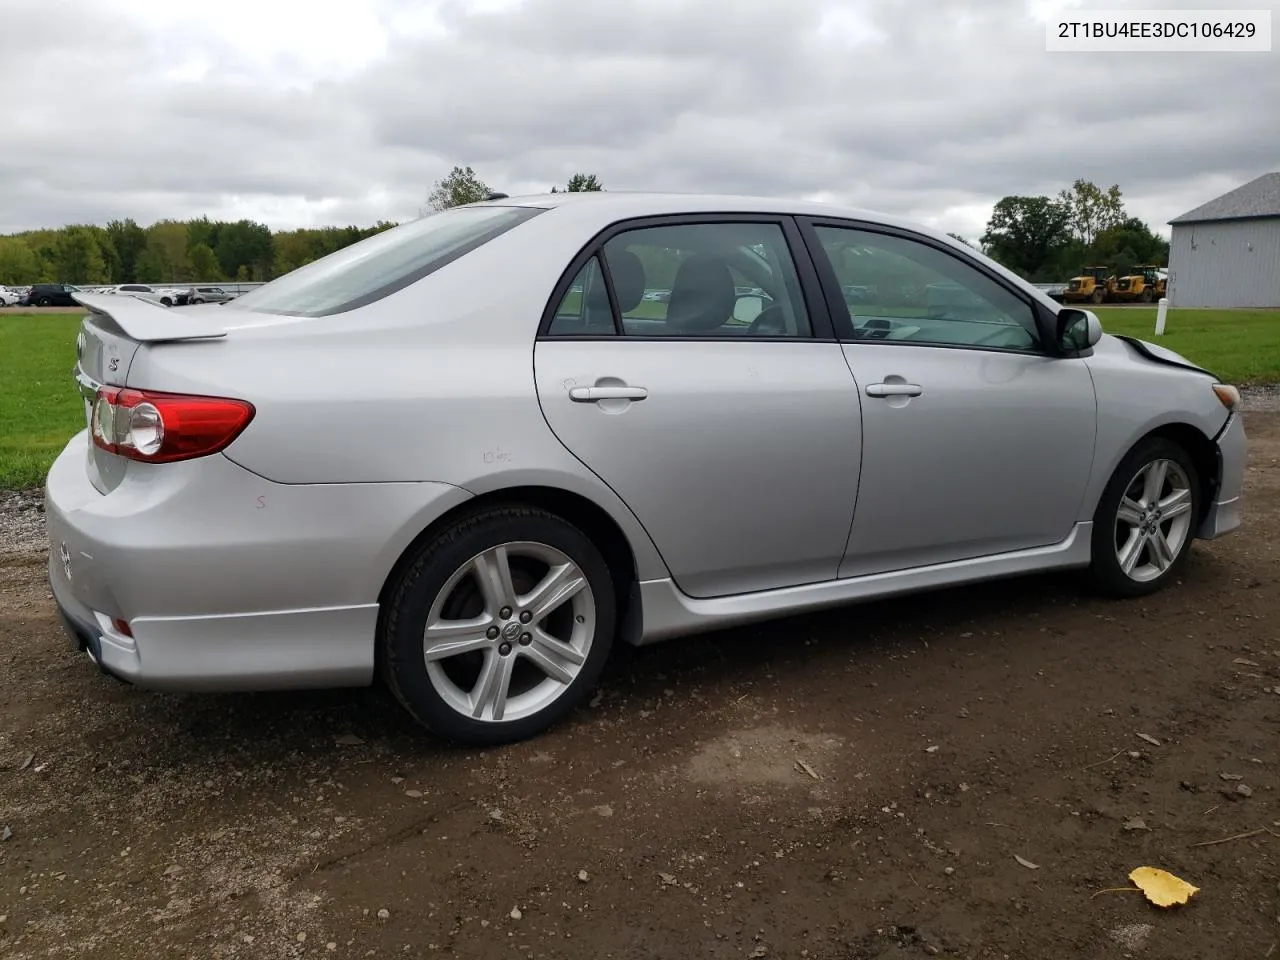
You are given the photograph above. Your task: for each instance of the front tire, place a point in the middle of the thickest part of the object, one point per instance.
(1145, 520)
(499, 626)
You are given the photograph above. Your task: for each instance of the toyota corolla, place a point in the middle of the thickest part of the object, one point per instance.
(468, 455)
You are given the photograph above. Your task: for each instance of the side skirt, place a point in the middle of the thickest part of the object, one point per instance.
(668, 613)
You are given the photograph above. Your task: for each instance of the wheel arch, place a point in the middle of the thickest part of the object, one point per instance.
(589, 517)
(1200, 448)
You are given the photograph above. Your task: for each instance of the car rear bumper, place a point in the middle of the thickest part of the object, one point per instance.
(225, 581)
(1225, 512)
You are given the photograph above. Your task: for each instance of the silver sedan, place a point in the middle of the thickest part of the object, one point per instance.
(468, 455)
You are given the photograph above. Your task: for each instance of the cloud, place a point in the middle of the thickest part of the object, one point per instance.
(299, 113)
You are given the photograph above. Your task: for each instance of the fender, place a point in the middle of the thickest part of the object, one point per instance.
(1167, 357)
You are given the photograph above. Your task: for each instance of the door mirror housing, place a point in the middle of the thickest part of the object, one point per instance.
(1078, 330)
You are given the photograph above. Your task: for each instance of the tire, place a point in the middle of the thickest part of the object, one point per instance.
(1148, 296)
(1097, 296)
(44, 302)
(1114, 537)
(439, 584)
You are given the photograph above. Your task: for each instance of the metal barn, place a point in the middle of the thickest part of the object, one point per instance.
(1226, 253)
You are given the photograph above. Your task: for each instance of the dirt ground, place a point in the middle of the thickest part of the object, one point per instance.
(851, 785)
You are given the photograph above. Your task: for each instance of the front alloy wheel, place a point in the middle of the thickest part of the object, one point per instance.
(1153, 520)
(1145, 521)
(499, 627)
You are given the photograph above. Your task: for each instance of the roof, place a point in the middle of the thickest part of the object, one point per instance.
(1257, 198)
(625, 201)
(624, 204)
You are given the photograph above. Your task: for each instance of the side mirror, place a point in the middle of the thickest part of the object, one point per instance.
(1078, 329)
(748, 308)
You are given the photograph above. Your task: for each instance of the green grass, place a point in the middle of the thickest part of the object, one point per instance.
(1240, 346)
(39, 406)
(40, 409)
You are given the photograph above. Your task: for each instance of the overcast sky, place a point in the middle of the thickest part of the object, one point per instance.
(312, 112)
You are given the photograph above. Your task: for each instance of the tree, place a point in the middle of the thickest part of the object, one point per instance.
(460, 187)
(1025, 232)
(244, 244)
(1091, 210)
(129, 240)
(581, 183)
(78, 258)
(1129, 243)
(166, 259)
(18, 262)
(204, 264)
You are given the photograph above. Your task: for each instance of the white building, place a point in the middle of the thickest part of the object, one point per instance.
(1226, 253)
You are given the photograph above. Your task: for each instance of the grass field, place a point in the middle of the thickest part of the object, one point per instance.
(39, 406)
(40, 409)
(1240, 346)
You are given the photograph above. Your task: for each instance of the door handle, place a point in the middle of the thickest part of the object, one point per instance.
(894, 390)
(592, 394)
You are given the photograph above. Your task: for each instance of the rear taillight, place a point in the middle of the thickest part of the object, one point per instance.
(164, 427)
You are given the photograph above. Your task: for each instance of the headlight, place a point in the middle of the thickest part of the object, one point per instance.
(1228, 394)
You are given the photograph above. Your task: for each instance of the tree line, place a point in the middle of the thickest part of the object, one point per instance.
(185, 251)
(1050, 239)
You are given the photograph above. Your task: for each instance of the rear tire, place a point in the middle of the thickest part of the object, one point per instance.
(522, 607)
(1145, 520)
(1097, 296)
(44, 302)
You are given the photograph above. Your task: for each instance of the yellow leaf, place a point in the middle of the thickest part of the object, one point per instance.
(1161, 887)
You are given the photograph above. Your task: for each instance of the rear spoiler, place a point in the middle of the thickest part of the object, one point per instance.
(149, 322)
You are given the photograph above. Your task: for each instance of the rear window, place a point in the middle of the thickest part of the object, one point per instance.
(382, 264)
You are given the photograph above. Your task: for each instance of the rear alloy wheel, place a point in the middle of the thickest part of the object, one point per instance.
(499, 627)
(1145, 522)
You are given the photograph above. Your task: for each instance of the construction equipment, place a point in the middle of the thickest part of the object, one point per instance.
(1146, 283)
(1092, 286)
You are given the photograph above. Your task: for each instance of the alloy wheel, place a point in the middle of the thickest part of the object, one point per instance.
(1153, 520)
(509, 631)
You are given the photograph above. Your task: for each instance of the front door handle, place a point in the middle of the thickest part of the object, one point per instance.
(894, 390)
(592, 394)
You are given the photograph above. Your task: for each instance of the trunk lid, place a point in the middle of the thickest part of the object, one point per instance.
(110, 336)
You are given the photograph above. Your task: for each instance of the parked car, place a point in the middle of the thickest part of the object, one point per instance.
(195, 295)
(9, 298)
(387, 464)
(51, 295)
(165, 295)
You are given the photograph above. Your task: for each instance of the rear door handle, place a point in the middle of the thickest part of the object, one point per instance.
(894, 390)
(592, 394)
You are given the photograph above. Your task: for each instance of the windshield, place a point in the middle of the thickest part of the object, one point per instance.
(382, 264)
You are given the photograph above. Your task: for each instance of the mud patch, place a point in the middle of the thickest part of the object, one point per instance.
(770, 756)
